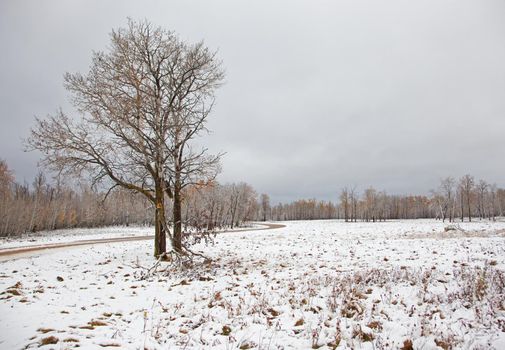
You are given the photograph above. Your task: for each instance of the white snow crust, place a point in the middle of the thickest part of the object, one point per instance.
(312, 284)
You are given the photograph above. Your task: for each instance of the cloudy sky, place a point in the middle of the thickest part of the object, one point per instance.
(318, 94)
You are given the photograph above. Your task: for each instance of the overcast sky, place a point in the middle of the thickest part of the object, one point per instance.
(318, 94)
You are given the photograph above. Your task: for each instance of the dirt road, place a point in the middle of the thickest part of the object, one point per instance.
(21, 252)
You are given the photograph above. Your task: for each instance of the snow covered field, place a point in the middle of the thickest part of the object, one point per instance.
(312, 284)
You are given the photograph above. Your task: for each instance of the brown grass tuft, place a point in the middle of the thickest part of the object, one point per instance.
(45, 330)
(70, 340)
(407, 345)
(226, 330)
(49, 340)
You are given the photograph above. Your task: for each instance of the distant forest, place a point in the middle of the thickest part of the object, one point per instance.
(49, 205)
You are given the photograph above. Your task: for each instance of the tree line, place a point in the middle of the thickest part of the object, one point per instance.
(50, 205)
(461, 199)
(206, 207)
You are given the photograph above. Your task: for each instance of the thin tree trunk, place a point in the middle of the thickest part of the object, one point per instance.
(462, 209)
(160, 239)
(31, 228)
(469, 209)
(177, 213)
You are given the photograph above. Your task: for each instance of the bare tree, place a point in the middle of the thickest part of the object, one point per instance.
(242, 198)
(6, 180)
(383, 207)
(482, 192)
(6, 187)
(466, 185)
(491, 202)
(353, 195)
(265, 206)
(344, 202)
(38, 184)
(142, 103)
(370, 204)
(500, 198)
(445, 198)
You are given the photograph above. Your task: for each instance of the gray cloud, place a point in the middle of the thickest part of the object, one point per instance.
(318, 94)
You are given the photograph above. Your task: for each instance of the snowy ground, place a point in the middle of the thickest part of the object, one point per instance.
(73, 235)
(312, 284)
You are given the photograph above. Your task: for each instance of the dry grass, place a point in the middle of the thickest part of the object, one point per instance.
(70, 340)
(49, 340)
(407, 345)
(45, 330)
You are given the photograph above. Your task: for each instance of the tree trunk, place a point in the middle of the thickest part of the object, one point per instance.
(469, 209)
(233, 212)
(462, 209)
(160, 238)
(177, 214)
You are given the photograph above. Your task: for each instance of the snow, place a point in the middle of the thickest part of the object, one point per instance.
(310, 284)
(72, 235)
(82, 234)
